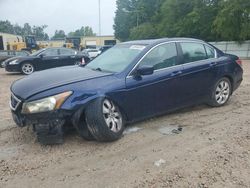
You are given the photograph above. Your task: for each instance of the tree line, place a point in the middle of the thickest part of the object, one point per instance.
(210, 20)
(39, 31)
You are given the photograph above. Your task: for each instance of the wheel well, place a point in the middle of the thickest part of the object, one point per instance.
(231, 81)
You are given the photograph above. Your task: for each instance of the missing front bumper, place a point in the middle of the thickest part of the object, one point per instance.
(49, 127)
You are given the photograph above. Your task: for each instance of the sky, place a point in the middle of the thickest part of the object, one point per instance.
(67, 15)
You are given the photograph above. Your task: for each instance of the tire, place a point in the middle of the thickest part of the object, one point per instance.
(27, 68)
(221, 93)
(82, 129)
(104, 120)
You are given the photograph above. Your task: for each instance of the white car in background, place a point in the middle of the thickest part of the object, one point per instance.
(92, 53)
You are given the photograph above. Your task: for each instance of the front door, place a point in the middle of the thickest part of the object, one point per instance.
(67, 57)
(157, 93)
(50, 58)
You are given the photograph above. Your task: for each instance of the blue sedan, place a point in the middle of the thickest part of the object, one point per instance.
(130, 82)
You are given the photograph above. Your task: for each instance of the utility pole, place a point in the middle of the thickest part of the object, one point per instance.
(137, 15)
(99, 3)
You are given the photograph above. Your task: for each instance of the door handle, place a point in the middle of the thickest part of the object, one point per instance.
(213, 64)
(176, 73)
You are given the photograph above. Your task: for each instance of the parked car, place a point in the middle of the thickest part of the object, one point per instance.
(130, 82)
(45, 59)
(92, 53)
(6, 54)
(105, 48)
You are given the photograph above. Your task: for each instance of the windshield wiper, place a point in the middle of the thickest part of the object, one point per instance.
(98, 69)
(101, 70)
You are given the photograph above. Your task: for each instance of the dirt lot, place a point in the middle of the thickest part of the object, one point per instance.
(213, 150)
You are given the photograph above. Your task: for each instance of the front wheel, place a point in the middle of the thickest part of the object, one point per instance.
(105, 120)
(221, 92)
(82, 129)
(27, 68)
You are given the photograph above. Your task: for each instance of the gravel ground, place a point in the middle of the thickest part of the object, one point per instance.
(212, 150)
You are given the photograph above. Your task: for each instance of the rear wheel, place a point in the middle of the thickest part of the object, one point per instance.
(104, 120)
(221, 92)
(27, 68)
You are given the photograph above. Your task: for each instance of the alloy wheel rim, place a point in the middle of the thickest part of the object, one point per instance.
(27, 68)
(222, 92)
(112, 116)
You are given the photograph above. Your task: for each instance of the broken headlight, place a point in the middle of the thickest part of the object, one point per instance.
(46, 104)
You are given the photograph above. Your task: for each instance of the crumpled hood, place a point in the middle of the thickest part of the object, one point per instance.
(52, 78)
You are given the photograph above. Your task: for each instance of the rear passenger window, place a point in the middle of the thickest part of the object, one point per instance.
(210, 52)
(67, 52)
(161, 57)
(193, 52)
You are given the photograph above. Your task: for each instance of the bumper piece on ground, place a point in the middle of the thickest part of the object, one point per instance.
(50, 133)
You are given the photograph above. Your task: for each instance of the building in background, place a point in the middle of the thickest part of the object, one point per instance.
(80, 42)
(94, 42)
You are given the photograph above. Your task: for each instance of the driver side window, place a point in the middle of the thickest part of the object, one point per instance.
(161, 57)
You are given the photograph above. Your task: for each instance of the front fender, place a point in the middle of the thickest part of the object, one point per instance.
(81, 107)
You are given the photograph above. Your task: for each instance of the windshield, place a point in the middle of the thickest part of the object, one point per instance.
(117, 58)
(37, 52)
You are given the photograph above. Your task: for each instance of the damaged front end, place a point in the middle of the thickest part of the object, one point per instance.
(49, 126)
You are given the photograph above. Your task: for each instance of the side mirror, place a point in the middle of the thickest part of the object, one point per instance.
(145, 70)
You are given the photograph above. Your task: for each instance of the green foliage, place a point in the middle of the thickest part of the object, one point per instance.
(144, 31)
(37, 31)
(131, 12)
(6, 27)
(59, 34)
(233, 20)
(84, 31)
(205, 19)
(124, 21)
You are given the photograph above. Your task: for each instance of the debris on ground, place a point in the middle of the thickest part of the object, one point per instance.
(170, 129)
(159, 163)
(130, 130)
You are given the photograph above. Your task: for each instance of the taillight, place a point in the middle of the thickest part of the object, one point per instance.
(239, 62)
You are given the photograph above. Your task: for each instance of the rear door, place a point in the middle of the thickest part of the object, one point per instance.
(199, 71)
(67, 57)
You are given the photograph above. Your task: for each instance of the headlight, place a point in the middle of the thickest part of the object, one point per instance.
(14, 62)
(46, 104)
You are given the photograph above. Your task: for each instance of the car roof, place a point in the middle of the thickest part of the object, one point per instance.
(157, 41)
(59, 48)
